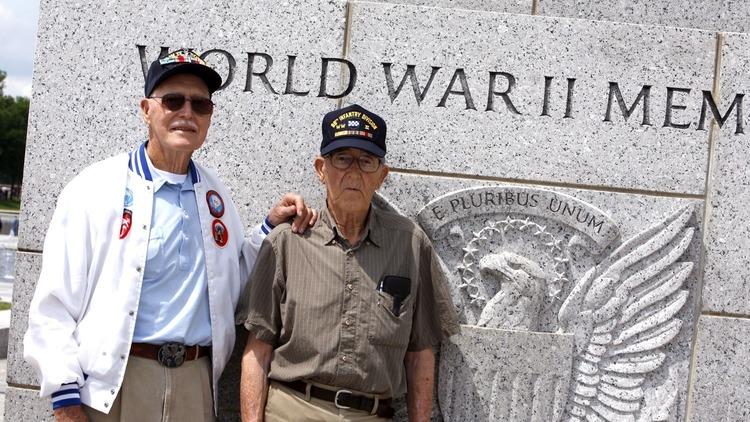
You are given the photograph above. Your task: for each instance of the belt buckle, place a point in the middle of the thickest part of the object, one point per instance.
(336, 399)
(171, 355)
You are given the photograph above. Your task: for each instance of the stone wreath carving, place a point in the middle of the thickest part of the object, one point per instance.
(519, 301)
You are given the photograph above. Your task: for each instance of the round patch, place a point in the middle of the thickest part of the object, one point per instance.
(128, 197)
(215, 203)
(127, 222)
(221, 234)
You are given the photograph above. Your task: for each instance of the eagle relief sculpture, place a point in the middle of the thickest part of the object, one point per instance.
(563, 321)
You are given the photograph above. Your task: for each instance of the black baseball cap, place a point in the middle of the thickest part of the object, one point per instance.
(353, 127)
(181, 61)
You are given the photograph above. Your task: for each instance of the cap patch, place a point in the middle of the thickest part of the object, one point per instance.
(182, 56)
(352, 133)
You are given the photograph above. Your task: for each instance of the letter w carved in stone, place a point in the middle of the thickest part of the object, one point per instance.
(419, 93)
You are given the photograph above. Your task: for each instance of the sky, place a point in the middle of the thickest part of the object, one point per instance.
(18, 21)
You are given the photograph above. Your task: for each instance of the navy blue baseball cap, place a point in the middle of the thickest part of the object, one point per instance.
(353, 127)
(181, 61)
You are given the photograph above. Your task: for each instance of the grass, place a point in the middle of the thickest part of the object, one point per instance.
(4, 306)
(10, 205)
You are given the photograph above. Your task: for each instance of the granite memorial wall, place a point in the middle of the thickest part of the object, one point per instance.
(583, 180)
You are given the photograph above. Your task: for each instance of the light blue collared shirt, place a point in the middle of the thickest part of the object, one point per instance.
(174, 297)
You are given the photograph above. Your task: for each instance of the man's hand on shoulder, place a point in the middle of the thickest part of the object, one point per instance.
(71, 414)
(292, 206)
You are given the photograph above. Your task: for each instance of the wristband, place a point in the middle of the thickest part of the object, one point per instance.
(266, 227)
(67, 395)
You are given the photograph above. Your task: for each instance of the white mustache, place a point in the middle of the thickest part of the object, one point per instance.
(184, 124)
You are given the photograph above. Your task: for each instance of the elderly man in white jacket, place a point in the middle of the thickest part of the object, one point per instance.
(133, 314)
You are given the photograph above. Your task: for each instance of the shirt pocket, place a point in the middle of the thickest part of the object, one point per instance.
(387, 329)
(155, 254)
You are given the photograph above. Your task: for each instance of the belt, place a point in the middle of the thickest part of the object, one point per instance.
(344, 399)
(170, 355)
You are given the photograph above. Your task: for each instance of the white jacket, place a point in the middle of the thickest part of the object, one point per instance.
(83, 313)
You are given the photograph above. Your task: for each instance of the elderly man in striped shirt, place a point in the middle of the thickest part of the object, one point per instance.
(344, 319)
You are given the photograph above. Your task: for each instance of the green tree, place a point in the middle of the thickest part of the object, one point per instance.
(14, 118)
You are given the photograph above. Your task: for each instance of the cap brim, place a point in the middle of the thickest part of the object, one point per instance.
(359, 143)
(208, 75)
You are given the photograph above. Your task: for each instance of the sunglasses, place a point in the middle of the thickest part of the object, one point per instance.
(175, 102)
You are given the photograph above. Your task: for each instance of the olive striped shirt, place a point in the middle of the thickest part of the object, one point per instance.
(315, 298)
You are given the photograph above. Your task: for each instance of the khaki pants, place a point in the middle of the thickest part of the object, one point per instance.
(153, 393)
(285, 404)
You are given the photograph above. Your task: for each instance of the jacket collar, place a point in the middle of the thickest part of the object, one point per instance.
(139, 164)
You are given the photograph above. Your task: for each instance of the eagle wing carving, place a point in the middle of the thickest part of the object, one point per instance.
(622, 312)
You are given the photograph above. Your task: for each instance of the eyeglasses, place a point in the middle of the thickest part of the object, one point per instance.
(367, 163)
(175, 102)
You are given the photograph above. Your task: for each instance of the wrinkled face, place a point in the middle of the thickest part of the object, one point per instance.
(349, 189)
(182, 130)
